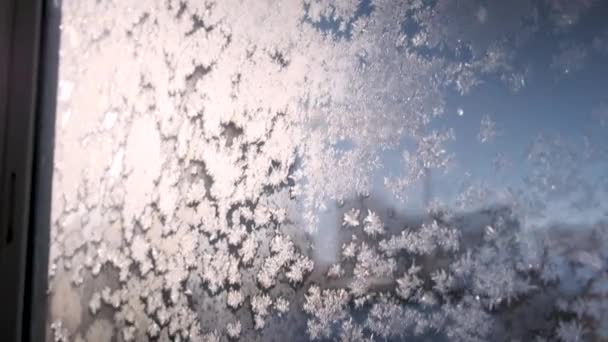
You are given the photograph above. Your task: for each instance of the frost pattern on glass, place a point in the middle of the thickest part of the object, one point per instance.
(233, 170)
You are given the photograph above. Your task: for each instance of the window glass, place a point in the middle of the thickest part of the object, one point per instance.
(331, 170)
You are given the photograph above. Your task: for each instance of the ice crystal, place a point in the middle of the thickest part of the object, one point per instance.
(301, 266)
(443, 281)
(248, 250)
(408, 285)
(335, 271)
(326, 307)
(260, 305)
(60, 334)
(95, 303)
(372, 224)
(423, 241)
(281, 305)
(349, 250)
(351, 332)
(370, 267)
(233, 329)
(351, 218)
(387, 319)
(234, 298)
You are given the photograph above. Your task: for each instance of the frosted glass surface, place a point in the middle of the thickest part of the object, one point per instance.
(331, 170)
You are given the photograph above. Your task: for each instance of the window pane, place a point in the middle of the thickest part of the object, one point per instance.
(319, 170)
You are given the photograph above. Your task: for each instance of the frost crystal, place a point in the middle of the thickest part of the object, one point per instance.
(248, 250)
(60, 334)
(349, 250)
(260, 305)
(281, 305)
(326, 307)
(409, 284)
(443, 281)
(234, 298)
(387, 319)
(370, 268)
(95, 303)
(301, 266)
(335, 271)
(351, 332)
(372, 224)
(233, 329)
(351, 218)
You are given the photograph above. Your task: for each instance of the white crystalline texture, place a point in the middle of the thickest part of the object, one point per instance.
(409, 284)
(349, 250)
(128, 334)
(233, 329)
(260, 306)
(351, 218)
(139, 252)
(387, 319)
(281, 245)
(335, 271)
(351, 332)
(301, 266)
(370, 268)
(372, 225)
(216, 267)
(326, 307)
(248, 250)
(425, 240)
(282, 250)
(431, 150)
(236, 235)
(430, 154)
(60, 334)
(234, 298)
(281, 305)
(153, 330)
(213, 336)
(95, 303)
(443, 281)
(111, 298)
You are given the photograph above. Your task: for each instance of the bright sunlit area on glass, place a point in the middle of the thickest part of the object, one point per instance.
(353, 170)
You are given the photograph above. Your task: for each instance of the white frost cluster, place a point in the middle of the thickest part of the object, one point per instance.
(260, 305)
(351, 218)
(327, 308)
(372, 225)
(233, 329)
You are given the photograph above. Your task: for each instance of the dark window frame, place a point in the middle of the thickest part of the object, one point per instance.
(29, 54)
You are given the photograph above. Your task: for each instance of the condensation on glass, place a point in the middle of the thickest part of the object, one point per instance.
(319, 170)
